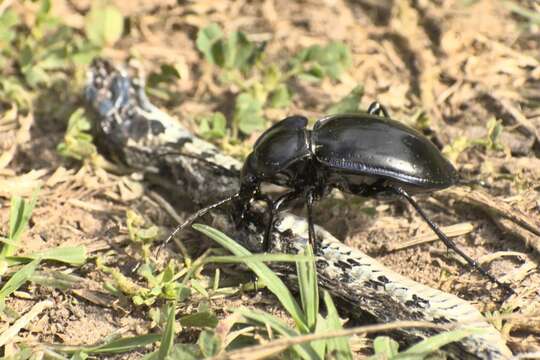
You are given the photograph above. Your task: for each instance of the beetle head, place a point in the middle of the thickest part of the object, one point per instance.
(249, 182)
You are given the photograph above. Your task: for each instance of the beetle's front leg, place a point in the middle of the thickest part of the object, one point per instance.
(310, 198)
(274, 208)
(243, 206)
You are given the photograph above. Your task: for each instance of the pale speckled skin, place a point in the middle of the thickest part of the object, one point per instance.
(370, 287)
(148, 140)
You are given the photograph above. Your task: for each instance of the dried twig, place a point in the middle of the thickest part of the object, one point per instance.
(23, 321)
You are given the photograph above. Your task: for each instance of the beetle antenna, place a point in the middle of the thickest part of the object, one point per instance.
(198, 214)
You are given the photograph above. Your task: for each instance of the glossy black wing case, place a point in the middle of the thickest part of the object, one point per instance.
(373, 145)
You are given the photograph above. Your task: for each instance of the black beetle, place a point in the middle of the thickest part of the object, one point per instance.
(369, 155)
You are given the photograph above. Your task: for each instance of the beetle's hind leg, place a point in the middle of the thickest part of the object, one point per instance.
(450, 244)
(377, 109)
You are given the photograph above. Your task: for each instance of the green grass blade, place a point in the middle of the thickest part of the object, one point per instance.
(209, 343)
(15, 216)
(530, 15)
(200, 319)
(338, 346)
(305, 351)
(185, 352)
(320, 345)
(114, 346)
(167, 338)
(19, 215)
(309, 290)
(272, 281)
(72, 255)
(257, 258)
(8, 242)
(385, 347)
(18, 279)
(435, 342)
(150, 356)
(56, 279)
(125, 344)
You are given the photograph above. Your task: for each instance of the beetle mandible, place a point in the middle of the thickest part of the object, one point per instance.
(368, 155)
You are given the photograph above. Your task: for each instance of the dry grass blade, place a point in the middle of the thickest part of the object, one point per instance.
(22, 185)
(507, 226)
(490, 204)
(520, 273)
(531, 355)
(261, 351)
(450, 231)
(520, 118)
(23, 321)
(97, 298)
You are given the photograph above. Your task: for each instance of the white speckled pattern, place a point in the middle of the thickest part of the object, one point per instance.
(436, 305)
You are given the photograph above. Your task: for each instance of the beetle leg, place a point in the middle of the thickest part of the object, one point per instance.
(264, 197)
(311, 228)
(449, 243)
(377, 109)
(243, 206)
(274, 208)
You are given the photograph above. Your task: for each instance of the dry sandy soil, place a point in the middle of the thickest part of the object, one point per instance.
(462, 62)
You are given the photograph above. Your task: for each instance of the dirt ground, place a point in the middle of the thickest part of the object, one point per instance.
(463, 62)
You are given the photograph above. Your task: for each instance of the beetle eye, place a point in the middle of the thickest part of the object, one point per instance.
(249, 179)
